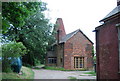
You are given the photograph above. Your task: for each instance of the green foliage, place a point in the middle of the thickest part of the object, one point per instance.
(27, 74)
(94, 58)
(37, 37)
(62, 69)
(11, 50)
(71, 77)
(54, 68)
(93, 52)
(15, 13)
(25, 22)
(92, 73)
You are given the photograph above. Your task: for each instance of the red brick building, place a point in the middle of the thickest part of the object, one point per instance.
(71, 51)
(108, 46)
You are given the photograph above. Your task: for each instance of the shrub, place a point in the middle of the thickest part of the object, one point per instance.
(9, 51)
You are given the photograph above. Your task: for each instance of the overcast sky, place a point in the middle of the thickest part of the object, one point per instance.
(80, 14)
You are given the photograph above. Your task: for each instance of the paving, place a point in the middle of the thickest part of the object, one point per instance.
(53, 74)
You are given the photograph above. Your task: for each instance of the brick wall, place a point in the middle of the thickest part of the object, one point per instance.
(107, 50)
(60, 57)
(76, 47)
(68, 50)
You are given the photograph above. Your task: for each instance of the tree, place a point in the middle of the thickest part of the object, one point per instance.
(25, 22)
(35, 36)
(14, 15)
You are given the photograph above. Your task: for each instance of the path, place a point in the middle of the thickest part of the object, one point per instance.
(53, 74)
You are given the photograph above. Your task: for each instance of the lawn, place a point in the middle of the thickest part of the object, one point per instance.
(92, 73)
(61, 69)
(27, 73)
(71, 77)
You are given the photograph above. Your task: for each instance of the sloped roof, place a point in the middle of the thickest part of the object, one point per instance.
(68, 36)
(113, 12)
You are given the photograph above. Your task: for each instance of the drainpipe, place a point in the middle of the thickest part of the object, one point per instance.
(58, 55)
(58, 37)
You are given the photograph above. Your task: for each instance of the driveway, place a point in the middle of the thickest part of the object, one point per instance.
(53, 74)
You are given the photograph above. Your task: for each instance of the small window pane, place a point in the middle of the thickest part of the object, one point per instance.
(78, 62)
(52, 60)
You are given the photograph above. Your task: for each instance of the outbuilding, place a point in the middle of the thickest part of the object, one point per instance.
(108, 45)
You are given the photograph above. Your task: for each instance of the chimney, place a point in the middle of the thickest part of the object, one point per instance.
(60, 29)
(118, 2)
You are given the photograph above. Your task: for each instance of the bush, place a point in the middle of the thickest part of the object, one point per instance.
(13, 50)
(9, 51)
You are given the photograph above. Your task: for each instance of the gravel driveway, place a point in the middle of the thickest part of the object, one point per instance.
(53, 74)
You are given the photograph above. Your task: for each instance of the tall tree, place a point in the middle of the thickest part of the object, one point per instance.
(35, 36)
(14, 15)
(25, 22)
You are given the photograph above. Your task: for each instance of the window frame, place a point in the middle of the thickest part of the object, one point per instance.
(78, 61)
(118, 28)
(52, 60)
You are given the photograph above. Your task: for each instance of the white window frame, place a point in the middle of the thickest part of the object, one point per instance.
(52, 60)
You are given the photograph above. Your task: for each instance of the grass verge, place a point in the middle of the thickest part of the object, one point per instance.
(71, 77)
(61, 69)
(27, 73)
(92, 73)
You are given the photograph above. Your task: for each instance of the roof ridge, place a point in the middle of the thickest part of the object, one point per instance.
(74, 31)
(68, 36)
(113, 12)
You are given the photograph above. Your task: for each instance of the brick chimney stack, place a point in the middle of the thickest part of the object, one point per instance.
(60, 29)
(118, 2)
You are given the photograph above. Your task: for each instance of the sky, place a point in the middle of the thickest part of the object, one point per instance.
(79, 14)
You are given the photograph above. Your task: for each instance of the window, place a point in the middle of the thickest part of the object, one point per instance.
(52, 60)
(119, 43)
(78, 62)
(61, 60)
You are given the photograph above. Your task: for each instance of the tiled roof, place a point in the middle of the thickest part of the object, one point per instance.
(68, 36)
(113, 12)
